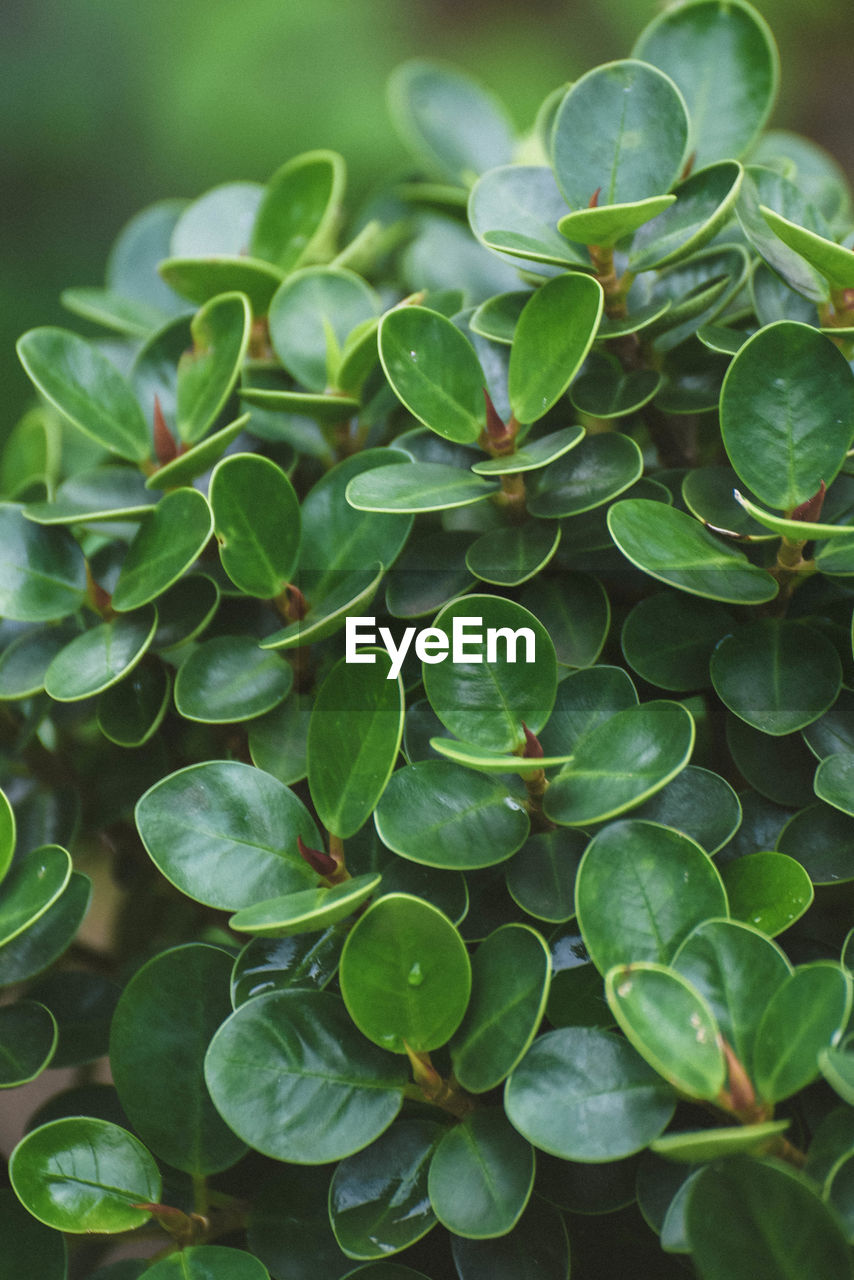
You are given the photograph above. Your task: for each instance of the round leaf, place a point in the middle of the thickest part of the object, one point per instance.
(208, 371)
(405, 975)
(510, 986)
(300, 201)
(307, 911)
(180, 997)
(481, 1176)
(296, 1055)
(704, 201)
(28, 1039)
(312, 315)
(34, 884)
(639, 892)
(807, 1013)
(584, 1094)
(208, 1262)
(434, 371)
(257, 523)
(229, 679)
(100, 657)
(700, 804)
(768, 890)
(418, 486)
(42, 571)
(669, 640)
(552, 338)
(83, 1175)
(602, 467)
(168, 542)
(515, 209)
(226, 834)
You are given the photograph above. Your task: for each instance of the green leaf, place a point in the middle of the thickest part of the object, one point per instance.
(131, 270)
(670, 1025)
(217, 222)
(180, 997)
(82, 1175)
(515, 209)
(486, 691)
(448, 119)
(670, 545)
(605, 225)
(229, 679)
(669, 640)
(29, 1248)
(481, 1176)
(602, 467)
(768, 890)
(441, 815)
(776, 1225)
(297, 1055)
(605, 390)
(288, 1224)
(351, 594)
(700, 804)
(276, 964)
(763, 188)
(417, 486)
(278, 740)
(621, 762)
(796, 530)
(100, 657)
(87, 389)
(378, 1200)
(197, 460)
(82, 1004)
(836, 1067)
(586, 699)
(510, 987)
(584, 1094)
(576, 610)
(33, 885)
(306, 911)
(492, 761)
(405, 975)
(208, 1262)
(42, 571)
(787, 412)
(354, 738)
(834, 261)
(169, 540)
(534, 454)
(28, 1039)
(541, 876)
(622, 129)
(298, 209)
(834, 780)
(48, 935)
(311, 316)
(203, 280)
(208, 371)
(434, 371)
(131, 712)
(536, 1249)
(552, 338)
(820, 838)
(226, 834)
(185, 610)
(7, 843)
(639, 892)
(104, 493)
(700, 1145)
(722, 56)
(778, 676)
(807, 1013)
(704, 202)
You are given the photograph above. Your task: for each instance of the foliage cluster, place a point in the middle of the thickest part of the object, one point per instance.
(486, 964)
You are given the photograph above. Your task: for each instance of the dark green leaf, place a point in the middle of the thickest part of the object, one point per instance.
(100, 657)
(228, 679)
(298, 208)
(169, 540)
(42, 572)
(481, 1176)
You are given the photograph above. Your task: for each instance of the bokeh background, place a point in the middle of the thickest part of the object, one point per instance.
(108, 105)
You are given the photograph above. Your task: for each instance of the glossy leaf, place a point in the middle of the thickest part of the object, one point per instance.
(98, 658)
(208, 1262)
(130, 712)
(434, 371)
(820, 838)
(278, 740)
(776, 1224)
(354, 737)
(415, 487)
(81, 1175)
(787, 412)
(586, 699)
(178, 1123)
(306, 911)
(104, 493)
(669, 640)
(671, 546)
(229, 679)
(534, 454)
(275, 964)
(87, 389)
(536, 1249)
(516, 209)
(257, 523)
(605, 390)
(622, 762)
(768, 890)
(605, 225)
(46, 938)
(833, 261)
(622, 129)
(28, 1039)
(541, 876)
(704, 201)
(312, 315)
(723, 58)
(203, 279)
(640, 890)
(510, 556)
(552, 338)
(584, 1094)
(778, 676)
(42, 573)
(405, 975)
(334, 1092)
(33, 885)
(226, 834)
(481, 1176)
(670, 1024)
(169, 541)
(602, 467)
(700, 804)
(185, 610)
(197, 460)
(208, 371)
(576, 611)
(499, 675)
(378, 1199)
(7, 841)
(700, 1145)
(510, 986)
(807, 1013)
(297, 208)
(834, 781)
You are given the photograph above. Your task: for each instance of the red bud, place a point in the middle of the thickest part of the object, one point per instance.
(594, 199)
(809, 511)
(533, 750)
(165, 448)
(317, 859)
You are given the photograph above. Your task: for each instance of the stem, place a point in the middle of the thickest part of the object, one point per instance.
(200, 1194)
(429, 1085)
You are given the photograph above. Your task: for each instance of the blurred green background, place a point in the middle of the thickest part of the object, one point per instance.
(108, 105)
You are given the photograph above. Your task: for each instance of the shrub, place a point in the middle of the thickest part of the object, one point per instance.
(438, 624)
